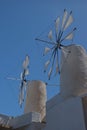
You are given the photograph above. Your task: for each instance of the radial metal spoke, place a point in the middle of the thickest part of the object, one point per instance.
(12, 78)
(44, 41)
(57, 62)
(51, 69)
(69, 36)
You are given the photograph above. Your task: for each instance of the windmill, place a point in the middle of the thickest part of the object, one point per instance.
(23, 80)
(55, 42)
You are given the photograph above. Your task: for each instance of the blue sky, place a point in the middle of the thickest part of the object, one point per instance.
(21, 21)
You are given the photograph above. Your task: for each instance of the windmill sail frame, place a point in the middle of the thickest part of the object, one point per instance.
(60, 28)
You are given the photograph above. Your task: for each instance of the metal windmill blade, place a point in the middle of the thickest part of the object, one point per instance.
(22, 79)
(26, 62)
(55, 42)
(23, 86)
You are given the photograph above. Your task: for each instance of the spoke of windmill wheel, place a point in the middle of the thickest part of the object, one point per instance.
(44, 41)
(57, 63)
(64, 18)
(69, 36)
(12, 78)
(54, 58)
(48, 62)
(51, 69)
(68, 22)
(52, 54)
(59, 36)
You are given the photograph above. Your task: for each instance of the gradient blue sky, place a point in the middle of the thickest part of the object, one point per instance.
(21, 21)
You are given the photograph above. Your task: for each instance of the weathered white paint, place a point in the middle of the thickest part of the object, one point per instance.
(36, 98)
(73, 76)
(65, 114)
(25, 120)
(62, 114)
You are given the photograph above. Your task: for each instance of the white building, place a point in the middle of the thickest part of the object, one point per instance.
(68, 114)
(65, 111)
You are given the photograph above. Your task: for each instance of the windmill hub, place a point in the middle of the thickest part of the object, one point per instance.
(58, 45)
